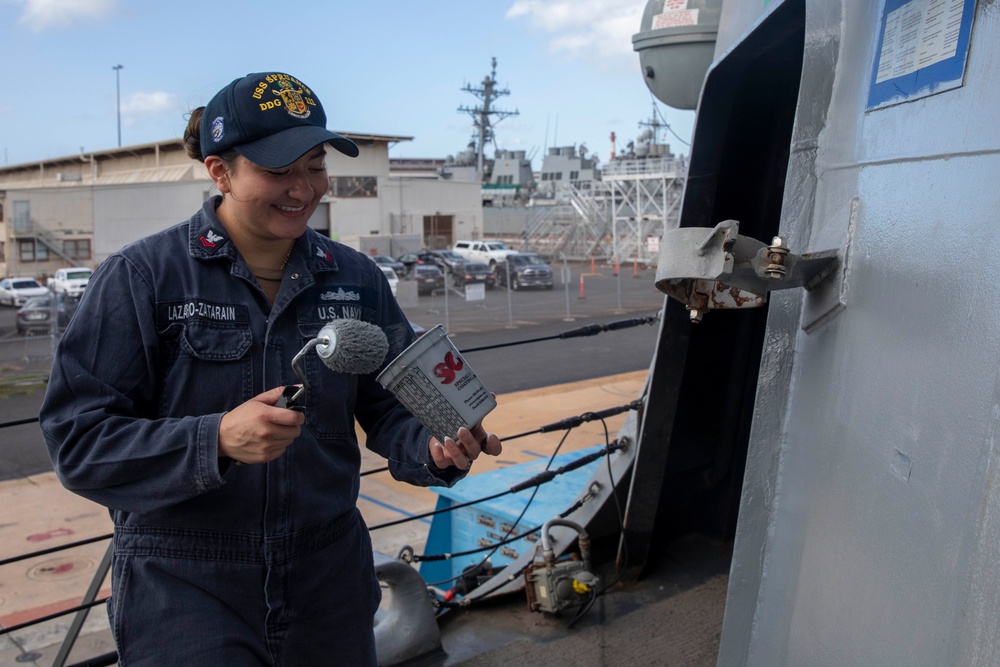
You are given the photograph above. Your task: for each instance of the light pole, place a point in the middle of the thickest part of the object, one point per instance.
(118, 100)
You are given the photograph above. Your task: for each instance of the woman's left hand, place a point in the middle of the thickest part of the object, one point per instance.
(465, 448)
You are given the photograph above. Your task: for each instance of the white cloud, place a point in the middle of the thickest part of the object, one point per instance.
(589, 28)
(41, 14)
(150, 104)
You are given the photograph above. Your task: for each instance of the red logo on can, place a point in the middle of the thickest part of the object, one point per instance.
(446, 370)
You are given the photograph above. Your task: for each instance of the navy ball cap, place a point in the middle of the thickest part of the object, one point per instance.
(270, 118)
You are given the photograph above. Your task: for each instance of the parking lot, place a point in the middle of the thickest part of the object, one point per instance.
(578, 295)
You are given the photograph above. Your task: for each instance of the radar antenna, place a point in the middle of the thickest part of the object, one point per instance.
(654, 124)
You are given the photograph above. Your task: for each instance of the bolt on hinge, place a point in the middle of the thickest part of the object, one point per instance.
(776, 254)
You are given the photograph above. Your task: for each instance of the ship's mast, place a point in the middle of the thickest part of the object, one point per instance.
(654, 124)
(488, 93)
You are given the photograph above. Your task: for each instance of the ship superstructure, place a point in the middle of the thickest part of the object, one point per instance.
(617, 213)
(563, 168)
(574, 207)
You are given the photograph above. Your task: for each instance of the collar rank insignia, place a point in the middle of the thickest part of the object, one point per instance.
(210, 239)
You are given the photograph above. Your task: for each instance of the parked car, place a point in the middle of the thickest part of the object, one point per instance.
(475, 272)
(412, 259)
(488, 252)
(429, 278)
(527, 269)
(393, 279)
(40, 313)
(70, 280)
(449, 260)
(394, 264)
(16, 291)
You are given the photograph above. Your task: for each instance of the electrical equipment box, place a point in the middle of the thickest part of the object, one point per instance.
(487, 523)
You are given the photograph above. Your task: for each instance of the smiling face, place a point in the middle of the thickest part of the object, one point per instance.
(263, 205)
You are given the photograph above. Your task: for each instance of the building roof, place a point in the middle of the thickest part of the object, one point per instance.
(168, 145)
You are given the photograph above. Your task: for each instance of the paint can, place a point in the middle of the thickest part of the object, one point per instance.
(437, 385)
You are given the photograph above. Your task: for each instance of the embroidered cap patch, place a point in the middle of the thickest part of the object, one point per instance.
(218, 129)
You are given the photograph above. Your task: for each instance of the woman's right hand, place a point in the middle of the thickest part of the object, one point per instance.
(257, 431)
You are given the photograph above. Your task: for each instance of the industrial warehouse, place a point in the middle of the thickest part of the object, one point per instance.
(77, 210)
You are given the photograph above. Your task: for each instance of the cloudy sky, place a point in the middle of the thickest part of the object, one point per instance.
(379, 66)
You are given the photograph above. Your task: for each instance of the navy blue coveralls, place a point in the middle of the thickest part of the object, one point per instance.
(219, 564)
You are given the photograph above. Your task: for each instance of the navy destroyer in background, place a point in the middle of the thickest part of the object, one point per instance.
(574, 207)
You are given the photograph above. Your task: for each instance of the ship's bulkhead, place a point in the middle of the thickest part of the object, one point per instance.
(842, 439)
(693, 439)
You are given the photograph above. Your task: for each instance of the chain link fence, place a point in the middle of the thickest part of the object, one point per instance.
(26, 359)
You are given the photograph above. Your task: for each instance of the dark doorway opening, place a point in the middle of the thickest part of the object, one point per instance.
(693, 444)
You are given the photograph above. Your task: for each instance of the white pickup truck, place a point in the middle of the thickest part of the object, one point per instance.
(487, 252)
(71, 281)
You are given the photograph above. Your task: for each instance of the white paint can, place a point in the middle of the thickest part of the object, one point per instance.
(437, 385)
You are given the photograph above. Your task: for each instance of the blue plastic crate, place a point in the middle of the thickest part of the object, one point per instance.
(486, 523)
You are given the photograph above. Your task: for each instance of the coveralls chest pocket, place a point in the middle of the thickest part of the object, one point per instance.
(209, 360)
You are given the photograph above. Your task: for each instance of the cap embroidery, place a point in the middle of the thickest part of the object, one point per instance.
(289, 96)
(292, 98)
(218, 130)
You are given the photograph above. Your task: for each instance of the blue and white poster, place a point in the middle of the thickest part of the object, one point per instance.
(922, 48)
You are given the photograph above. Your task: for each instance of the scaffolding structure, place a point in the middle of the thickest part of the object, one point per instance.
(620, 217)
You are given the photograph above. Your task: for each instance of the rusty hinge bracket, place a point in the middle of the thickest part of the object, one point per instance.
(708, 269)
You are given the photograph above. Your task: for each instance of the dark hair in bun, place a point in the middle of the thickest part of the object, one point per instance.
(192, 135)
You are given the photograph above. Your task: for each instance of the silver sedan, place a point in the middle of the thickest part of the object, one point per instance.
(16, 291)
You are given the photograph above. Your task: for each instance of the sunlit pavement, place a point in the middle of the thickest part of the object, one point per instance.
(40, 514)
